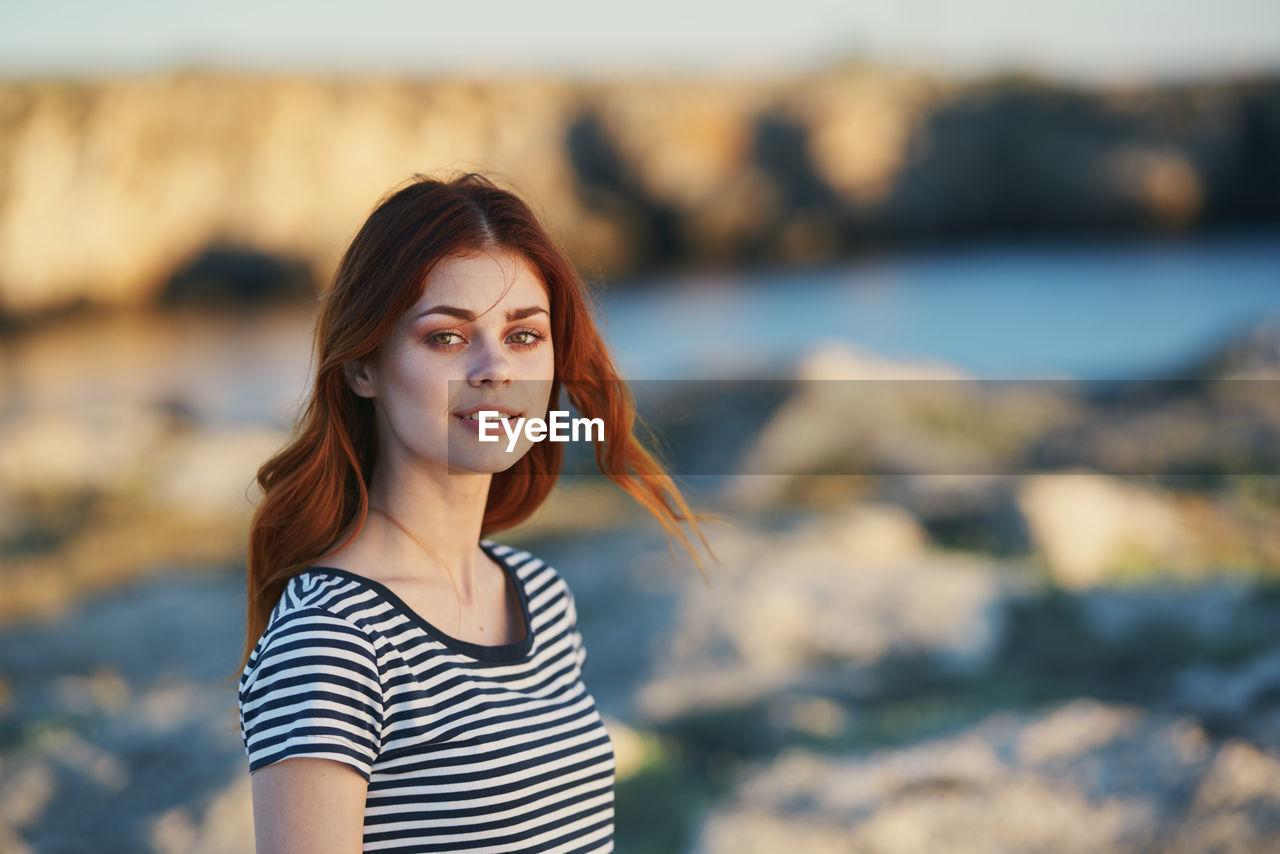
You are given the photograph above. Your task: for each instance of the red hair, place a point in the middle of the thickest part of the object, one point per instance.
(316, 486)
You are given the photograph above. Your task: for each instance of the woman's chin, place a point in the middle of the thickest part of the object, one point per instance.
(482, 463)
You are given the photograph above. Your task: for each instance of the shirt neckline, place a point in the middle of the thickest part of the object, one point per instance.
(515, 651)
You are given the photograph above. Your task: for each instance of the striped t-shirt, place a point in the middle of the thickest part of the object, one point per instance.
(466, 747)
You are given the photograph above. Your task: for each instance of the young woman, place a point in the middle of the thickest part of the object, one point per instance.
(409, 684)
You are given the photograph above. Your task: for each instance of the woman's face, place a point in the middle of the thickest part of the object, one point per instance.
(479, 338)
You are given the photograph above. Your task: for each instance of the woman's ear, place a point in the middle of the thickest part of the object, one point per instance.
(359, 375)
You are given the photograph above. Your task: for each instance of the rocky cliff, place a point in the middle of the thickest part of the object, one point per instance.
(120, 191)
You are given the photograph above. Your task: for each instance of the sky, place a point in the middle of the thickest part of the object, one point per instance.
(1084, 39)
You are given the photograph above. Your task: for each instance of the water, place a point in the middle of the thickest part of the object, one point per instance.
(1091, 312)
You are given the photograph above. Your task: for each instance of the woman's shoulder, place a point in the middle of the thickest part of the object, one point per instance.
(316, 592)
(536, 574)
(546, 588)
(318, 607)
(307, 635)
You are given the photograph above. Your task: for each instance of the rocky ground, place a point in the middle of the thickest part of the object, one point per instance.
(117, 733)
(878, 662)
(838, 684)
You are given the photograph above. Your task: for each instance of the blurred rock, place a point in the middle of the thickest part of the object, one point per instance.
(1086, 524)
(829, 425)
(1164, 183)
(211, 472)
(1251, 352)
(856, 413)
(1235, 806)
(1079, 777)
(1216, 610)
(870, 531)
(230, 276)
(222, 824)
(818, 604)
(63, 451)
(24, 791)
(95, 513)
(1214, 430)
(837, 361)
(969, 512)
(150, 172)
(802, 622)
(130, 682)
(1078, 727)
(861, 125)
(1230, 694)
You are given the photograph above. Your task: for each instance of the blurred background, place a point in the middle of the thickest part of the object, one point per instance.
(1035, 616)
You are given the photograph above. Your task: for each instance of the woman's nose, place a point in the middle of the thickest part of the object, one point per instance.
(489, 363)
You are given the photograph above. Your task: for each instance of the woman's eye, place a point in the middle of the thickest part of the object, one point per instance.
(443, 339)
(526, 337)
(451, 339)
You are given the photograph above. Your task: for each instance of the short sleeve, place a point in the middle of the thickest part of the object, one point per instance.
(312, 688)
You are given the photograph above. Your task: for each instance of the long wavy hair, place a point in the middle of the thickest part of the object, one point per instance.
(315, 487)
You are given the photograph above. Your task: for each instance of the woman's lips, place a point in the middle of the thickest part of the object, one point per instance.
(473, 424)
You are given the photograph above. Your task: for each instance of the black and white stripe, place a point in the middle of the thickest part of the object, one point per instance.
(466, 747)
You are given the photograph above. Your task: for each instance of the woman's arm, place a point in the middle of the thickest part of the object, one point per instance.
(306, 805)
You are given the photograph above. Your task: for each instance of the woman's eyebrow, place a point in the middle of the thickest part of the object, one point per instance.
(468, 314)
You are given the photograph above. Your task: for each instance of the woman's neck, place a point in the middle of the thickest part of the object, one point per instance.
(428, 528)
